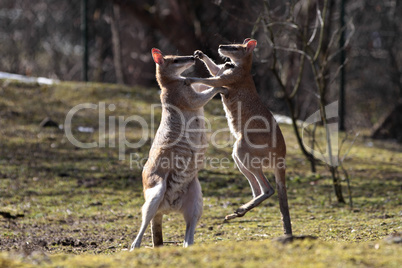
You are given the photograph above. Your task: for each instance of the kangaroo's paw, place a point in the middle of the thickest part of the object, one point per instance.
(232, 216)
(198, 54)
(240, 212)
(224, 91)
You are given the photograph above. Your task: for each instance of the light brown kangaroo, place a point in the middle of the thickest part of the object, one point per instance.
(170, 176)
(259, 140)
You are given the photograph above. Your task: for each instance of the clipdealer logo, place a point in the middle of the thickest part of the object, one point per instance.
(329, 154)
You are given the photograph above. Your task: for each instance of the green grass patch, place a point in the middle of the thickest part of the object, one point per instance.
(72, 207)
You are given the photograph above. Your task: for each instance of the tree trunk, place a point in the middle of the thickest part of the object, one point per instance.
(114, 24)
(390, 127)
(337, 185)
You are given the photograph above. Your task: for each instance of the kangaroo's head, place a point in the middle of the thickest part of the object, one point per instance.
(239, 53)
(171, 65)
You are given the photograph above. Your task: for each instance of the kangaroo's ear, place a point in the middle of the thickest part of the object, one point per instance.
(251, 44)
(246, 40)
(157, 56)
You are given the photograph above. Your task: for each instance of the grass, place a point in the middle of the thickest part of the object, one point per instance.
(248, 254)
(81, 207)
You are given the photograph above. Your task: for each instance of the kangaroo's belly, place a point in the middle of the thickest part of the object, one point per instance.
(178, 149)
(233, 116)
(247, 116)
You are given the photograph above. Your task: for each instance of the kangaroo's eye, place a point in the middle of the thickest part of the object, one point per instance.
(175, 61)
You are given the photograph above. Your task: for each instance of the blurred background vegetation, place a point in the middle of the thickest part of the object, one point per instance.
(57, 198)
(43, 38)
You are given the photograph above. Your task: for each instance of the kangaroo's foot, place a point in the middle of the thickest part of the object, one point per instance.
(241, 211)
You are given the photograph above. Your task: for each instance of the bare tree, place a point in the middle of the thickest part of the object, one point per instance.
(114, 25)
(390, 126)
(303, 45)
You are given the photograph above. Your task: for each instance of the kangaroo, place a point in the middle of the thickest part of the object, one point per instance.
(259, 140)
(170, 175)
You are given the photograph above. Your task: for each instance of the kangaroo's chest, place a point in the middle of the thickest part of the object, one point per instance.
(194, 133)
(180, 143)
(232, 108)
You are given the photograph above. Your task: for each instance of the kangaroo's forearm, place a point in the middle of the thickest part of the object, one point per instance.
(200, 99)
(212, 67)
(211, 81)
(200, 87)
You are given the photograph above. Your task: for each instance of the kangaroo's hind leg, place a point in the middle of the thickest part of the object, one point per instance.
(283, 199)
(192, 210)
(156, 227)
(266, 191)
(153, 198)
(252, 169)
(255, 187)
